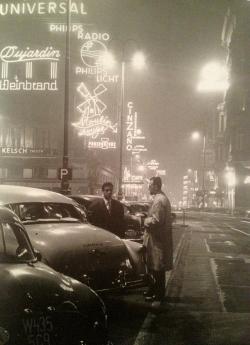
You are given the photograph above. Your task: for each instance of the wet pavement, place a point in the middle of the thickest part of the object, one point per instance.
(208, 293)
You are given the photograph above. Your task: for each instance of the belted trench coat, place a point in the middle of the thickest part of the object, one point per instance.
(158, 235)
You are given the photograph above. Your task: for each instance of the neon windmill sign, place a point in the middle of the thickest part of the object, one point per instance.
(93, 122)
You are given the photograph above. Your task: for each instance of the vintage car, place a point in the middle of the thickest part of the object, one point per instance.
(58, 228)
(38, 305)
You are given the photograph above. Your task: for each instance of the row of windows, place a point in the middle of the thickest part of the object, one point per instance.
(18, 172)
(28, 137)
(37, 172)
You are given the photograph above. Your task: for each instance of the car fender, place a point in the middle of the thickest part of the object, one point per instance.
(135, 253)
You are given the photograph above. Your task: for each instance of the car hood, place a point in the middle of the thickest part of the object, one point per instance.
(76, 247)
(34, 287)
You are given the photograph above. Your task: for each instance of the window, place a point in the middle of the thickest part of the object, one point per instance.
(15, 172)
(27, 173)
(52, 173)
(40, 172)
(14, 245)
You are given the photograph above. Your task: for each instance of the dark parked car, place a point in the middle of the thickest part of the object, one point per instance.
(57, 227)
(38, 305)
(138, 210)
(133, 222)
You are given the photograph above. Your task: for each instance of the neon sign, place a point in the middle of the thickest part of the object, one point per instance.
(129, 178)
(153, 164)
(103, 144)
(133, 132)
(41, 8)
(11, 55)
(92, 53)
(93, 122)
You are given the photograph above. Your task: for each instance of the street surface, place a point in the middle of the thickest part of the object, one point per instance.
(208, 292)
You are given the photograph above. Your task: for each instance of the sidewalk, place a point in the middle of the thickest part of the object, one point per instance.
(194, 311)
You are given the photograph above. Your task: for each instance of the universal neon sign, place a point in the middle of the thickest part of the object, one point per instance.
(41, 8)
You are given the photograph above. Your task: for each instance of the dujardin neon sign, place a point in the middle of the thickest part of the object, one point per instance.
(30, 60)
(14, 54)
(41, 8)
(93, 121)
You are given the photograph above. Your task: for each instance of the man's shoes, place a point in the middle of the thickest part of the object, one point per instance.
(147, 293)
(150, 298)
(156, 304)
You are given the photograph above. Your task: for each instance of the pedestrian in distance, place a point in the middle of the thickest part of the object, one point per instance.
(108, 213)
(157, 242)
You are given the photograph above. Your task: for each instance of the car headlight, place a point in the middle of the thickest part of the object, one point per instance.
(126, 264)
(4, 336)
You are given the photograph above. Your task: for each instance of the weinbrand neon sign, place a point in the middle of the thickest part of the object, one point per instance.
(41, 8)
(29, 59)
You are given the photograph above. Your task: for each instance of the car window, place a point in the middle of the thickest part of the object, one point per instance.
(45, 211)
(14, 245)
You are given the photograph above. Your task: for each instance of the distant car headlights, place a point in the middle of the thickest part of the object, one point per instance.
(4, 336)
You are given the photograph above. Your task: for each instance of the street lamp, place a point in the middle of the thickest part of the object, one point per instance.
(138, 62)
(196, 136)
(65, 161)
(214, 77)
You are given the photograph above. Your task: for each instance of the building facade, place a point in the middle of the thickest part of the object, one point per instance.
(233, 142)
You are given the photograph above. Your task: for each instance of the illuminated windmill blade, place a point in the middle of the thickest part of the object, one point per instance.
(83, 90)
(100, 89)
(100, 107)
(83, 108)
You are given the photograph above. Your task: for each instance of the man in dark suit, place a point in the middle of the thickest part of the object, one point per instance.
(107, 213)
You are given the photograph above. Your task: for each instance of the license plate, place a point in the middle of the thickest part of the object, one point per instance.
(38, 330)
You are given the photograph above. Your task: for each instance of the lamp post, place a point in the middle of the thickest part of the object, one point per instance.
(138, 62)
(65, 161)
(121, 115)
(197, 136)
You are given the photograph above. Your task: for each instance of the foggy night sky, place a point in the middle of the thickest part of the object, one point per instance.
(178, 37)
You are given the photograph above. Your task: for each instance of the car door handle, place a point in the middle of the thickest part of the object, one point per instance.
(96, 252)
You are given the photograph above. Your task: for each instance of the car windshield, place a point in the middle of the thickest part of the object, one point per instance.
(139, 208)
(14, 246)
(39, 212)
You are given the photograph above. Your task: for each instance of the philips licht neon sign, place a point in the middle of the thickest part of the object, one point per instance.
(93, 54)
(29, 59)
(93, 121)
(41, 8)
(133, 132)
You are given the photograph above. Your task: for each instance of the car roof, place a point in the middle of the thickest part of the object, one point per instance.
(86, 196)
(10, 194)
(7, 215)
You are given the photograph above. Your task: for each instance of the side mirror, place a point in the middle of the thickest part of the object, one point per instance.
(38, 255)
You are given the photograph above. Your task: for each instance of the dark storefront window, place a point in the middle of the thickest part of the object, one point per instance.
(40, 172)
(15, 172)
